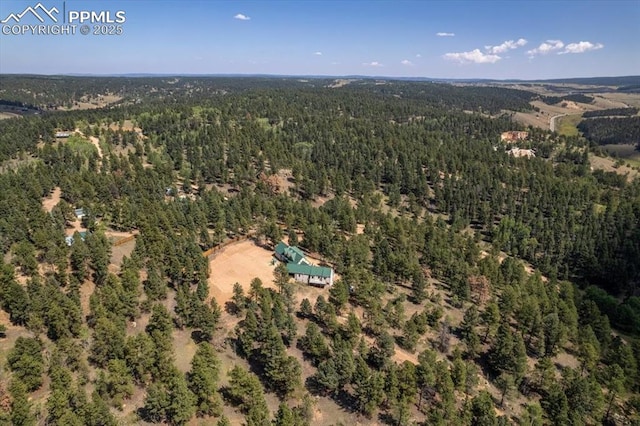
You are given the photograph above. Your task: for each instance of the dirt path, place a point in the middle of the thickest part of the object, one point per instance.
(95, 141)
(552, 121)
(50, 202)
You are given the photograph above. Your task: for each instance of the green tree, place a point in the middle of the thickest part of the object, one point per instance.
(482, 410)
(116, 385)
(245, 391)
(156, 403)
(555, 405)
(532, 415)
(238, 299)
(306, 311)
(20, 414)
(491, 318)
(615, 385)
(505, 384)
(108, 341)
(313, 344)
(339, 295)
(327, 377)
(181, 405)
(203, 380)
(553, 333)
(26, 362)
(284, 416)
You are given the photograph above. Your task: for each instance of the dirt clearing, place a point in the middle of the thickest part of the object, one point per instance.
(239, 263)
(50, 202)
(609, 165)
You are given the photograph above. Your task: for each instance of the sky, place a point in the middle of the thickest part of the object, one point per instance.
(516, 39)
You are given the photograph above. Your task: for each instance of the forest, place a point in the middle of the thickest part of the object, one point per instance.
(611, 130)
(611, 112)
(475, 287)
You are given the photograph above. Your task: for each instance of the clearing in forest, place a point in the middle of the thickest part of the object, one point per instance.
(239, 263)
(51, 201)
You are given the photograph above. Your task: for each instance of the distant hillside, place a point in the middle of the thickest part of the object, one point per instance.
(599, 81)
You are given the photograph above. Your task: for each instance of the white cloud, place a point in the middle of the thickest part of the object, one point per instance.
(581, 47)
(507, 45)
(445, 34)
(475, 56)
(418, 55)
(373, 64)
(242, 17)
(406, 62)
(546, 47)
(317, 53)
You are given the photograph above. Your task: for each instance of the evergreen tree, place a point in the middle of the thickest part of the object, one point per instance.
(203, 380)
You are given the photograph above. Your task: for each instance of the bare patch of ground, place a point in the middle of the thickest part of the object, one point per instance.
(52, 200)
(86, 290)
(100, 101)
(339, 83)
(565, 359)
(320, 200)
(75, 226)
(5, 115)
(96, 142)
(118, 252)
(239, 263)
(185, 348)
(619, 99)
(608, 165)
(285, 180)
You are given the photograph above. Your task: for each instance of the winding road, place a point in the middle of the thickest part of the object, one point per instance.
(552, 122)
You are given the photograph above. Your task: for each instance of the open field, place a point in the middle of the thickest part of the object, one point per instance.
(567, 125)
(92, 103)
(5, 115)
(239, 263)
(626, 152)
(617, 100)
(601, 101)
(608, 165)
(542, 117)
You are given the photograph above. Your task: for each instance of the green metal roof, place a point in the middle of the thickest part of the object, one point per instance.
(293, 253)
(319, 271)
(281, 247)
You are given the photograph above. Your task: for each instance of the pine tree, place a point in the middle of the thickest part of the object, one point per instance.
(284, 416)
(26, 362)
(203, 381)
(20, 414)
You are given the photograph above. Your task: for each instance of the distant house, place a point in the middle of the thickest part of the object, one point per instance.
(69, 239)
(300, 268)
(514, 136)
(62, 134)
(517, 152)
(80, 213)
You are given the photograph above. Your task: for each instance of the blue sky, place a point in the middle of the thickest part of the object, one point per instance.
(448, 39)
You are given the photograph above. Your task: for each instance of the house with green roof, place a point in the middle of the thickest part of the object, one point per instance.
(290, 254)
(300, 268)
